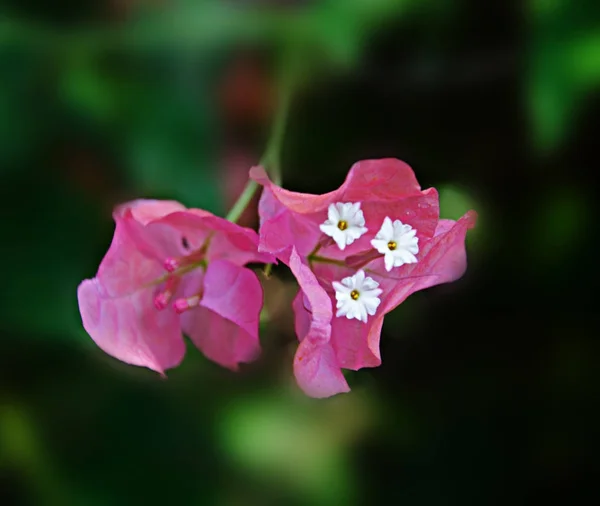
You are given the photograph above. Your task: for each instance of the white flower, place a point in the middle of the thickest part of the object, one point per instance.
(345, 223)
(398, 242)
(357, 296)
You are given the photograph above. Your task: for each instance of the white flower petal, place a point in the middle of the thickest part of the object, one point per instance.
(370, 284)
(361, 306)
(405, 247)
(371, 305)
(353, 220)
(340, 238)
(328, 229)
(359, 278)
(333, 214)
(380, 245)
(390, 261)
(387, 229)
(349, 282)
(340, 288)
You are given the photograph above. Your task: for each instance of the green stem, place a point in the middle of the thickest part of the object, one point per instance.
(267, 270)
(271, 160)
(325, 260)
(315, 250)
(242, 202)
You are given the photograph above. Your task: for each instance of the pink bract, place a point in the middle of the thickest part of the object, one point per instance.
(118, 306)
(385, 187)
(290, 230)
(315, 365)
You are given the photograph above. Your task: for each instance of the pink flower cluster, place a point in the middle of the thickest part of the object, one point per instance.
(171, 270)
(357, 253)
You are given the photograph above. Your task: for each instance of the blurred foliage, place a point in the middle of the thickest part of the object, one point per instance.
(454, 203)
(55, 236)
(561, 221)
(145, 93)
(256, 432)
(484, 392)
(158, 118)
(564, 68)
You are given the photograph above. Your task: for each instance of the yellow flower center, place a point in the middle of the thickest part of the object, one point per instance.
(354, 294)
(342, 225)
(392, 245)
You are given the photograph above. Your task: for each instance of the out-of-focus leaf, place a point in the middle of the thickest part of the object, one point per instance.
(23, 109)
(455, 202)
(334, 30)
(559, 226)
(89, 92)
(297, 442)
(19, 442)
(341, 26)
(158, 116)
(53, 239)
(564, 67)
(170, 151)
(21, 447)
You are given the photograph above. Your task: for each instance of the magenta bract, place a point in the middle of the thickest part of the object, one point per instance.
(293, 226)
(171, 270)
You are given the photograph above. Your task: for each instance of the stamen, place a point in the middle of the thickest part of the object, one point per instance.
(355, 294)
(392, 245)
(171, 264)
(162, 300)
(182, 305)
(342, 225)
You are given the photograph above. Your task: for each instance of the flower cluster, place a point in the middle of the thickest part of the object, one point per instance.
(362, 249)
(356, 252)
(171, 270)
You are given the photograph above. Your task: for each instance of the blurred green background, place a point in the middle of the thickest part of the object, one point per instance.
(488, 389)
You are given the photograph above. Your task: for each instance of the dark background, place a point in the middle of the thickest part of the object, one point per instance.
(488, 389)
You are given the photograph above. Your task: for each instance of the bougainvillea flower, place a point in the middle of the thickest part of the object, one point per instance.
(357, 296)
(383, 188)
(345, 223)
(405, 248)
(315, 365)
(397, 242)
(171, 270)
